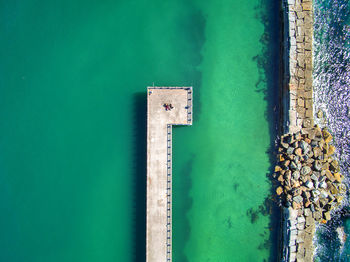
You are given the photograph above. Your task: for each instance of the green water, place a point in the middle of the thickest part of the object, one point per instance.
(72, 151)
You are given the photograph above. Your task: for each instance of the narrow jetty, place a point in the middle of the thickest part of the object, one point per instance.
(166, 106)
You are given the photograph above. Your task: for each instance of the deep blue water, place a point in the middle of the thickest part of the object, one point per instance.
(332, 96)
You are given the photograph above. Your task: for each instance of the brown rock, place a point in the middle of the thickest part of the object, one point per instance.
(307, 123)
(280, 178)
(317, 151)
(280, 157)
(326, 136)
(331, 150)
(329, 175)
(317, 215)
(307, 203)
(295, 205)
(339, 198)
(279, 190)
(338, 177)
(319, 113)
(298, 151)
(334, 166)
(278, 168)
(327, 215)
(301, 102)
(342, 188)
(309, 221)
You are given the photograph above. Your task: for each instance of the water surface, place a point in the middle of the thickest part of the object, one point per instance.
(72, 131)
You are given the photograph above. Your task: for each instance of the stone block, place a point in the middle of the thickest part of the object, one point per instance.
(292, 257)
(307, 6)
(308, 31)
(300, 39)
(300, 31)
(291, 32)
(293, 249)
(300, 50)
(291, 17)
(299, 122)
(301, 102)
(308, 94)
(293, 41)
(308, 46)
(300, 22)
(300, 73)
(292, 117)
(307, 123)
(301, 111)
(300, 14)
(308, 113)
(308, 103)
(300, 226)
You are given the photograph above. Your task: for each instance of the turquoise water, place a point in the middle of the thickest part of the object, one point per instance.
(72, 138)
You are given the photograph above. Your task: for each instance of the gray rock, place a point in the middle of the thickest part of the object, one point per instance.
(290, 150)
(305, 170)
(323, 177)
(307, 212)
(324, 194)
(312, 208)
(299, 166)
(293, 165)
(304, 146)
(314, 177)
(316, 184)
(296, 175)
(298, 199)
(323, 184)
(301, 219)
(318, 165)
(292, 249)
(309, 184)
(315, 193)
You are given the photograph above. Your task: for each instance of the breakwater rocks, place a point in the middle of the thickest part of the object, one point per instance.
(307, 174)
(310, 187)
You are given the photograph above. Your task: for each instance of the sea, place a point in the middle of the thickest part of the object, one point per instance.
(73, 78)
(332, 97)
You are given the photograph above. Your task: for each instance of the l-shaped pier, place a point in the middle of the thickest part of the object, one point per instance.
(166, 106)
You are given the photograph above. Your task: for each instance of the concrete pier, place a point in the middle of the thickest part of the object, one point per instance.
(159, 164)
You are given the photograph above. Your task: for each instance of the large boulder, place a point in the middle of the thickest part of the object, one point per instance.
(279, 190)
(327, 215)
(318, 165)
(326, 136)
(298, 151)
(305, 170)
(317, 152)
(338, 177)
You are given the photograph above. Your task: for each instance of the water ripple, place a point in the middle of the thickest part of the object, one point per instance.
(332, 95)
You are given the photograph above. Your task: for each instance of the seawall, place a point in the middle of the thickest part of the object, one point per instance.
(298, 225)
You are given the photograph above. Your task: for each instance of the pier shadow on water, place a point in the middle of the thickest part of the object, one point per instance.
(139, 176)
(269, 63)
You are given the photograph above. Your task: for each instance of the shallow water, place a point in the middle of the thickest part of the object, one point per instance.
(72, 129)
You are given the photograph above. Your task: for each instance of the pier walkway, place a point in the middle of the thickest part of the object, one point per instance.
(159, 165)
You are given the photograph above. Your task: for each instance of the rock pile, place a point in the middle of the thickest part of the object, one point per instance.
(307, 175)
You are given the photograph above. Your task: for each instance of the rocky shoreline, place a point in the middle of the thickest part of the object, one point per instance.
(309, 185)
(307, 177)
